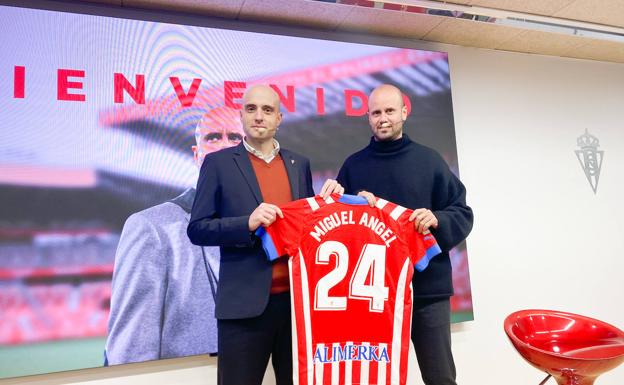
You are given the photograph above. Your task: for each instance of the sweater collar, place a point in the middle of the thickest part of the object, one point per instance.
(386, 147)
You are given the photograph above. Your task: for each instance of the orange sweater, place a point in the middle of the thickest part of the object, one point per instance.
(275, 188)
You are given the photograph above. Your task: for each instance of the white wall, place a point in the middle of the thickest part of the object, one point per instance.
(541, 239)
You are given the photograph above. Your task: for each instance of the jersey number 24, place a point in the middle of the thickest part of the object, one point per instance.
(371, 264)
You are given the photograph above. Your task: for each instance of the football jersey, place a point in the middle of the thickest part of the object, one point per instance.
(351, 269)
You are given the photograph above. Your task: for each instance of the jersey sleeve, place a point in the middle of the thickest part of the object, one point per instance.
(282, 236)
(422, 247)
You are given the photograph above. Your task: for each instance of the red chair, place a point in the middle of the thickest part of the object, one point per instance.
(572, 348)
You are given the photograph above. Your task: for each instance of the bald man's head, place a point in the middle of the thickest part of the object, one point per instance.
(217, 129)
(261, 114)
(262, 90)
(386, 112)
(386, 91)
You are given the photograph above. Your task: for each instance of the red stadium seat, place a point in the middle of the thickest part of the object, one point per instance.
(572, 348)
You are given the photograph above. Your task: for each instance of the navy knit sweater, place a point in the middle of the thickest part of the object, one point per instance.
(415, 176)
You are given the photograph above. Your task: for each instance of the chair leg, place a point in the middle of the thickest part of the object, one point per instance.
(545, 379)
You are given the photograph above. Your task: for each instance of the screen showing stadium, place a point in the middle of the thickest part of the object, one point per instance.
(101, 119)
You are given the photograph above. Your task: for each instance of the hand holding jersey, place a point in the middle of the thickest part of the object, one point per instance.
(264, 215)
(423, 218)
(331, 186)
(370, 197)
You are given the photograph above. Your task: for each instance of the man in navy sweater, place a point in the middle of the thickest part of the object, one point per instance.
(397, 169)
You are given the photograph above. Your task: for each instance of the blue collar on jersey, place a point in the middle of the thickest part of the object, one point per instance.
(353, 200)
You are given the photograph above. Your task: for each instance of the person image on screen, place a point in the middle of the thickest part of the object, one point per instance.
(163, 288)
(239, 189)
(395, 168)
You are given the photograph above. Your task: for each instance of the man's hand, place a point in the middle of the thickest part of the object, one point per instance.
(331, 186)
(370, 198)
(423, 220)
(264, 215)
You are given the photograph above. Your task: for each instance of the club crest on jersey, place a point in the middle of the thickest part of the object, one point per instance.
(350, 352)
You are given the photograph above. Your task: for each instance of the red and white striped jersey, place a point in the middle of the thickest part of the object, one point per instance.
(351, 267)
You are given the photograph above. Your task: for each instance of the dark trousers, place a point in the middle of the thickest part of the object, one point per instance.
(431, 335)
(245, 345)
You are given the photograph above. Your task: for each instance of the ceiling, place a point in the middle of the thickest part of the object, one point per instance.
(370, 17)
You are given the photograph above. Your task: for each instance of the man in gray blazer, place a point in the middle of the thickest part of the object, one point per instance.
(163, 289)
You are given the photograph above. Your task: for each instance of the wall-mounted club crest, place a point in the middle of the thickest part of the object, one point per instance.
(590, 158)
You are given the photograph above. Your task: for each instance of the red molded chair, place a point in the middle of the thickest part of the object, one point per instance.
(572, 348)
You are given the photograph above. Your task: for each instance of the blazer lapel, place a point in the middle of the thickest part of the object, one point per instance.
(244, 165)
(292, 169)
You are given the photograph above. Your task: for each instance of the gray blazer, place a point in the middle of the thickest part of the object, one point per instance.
(162, 303)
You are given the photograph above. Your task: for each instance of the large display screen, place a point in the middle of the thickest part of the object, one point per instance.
(98, 117)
